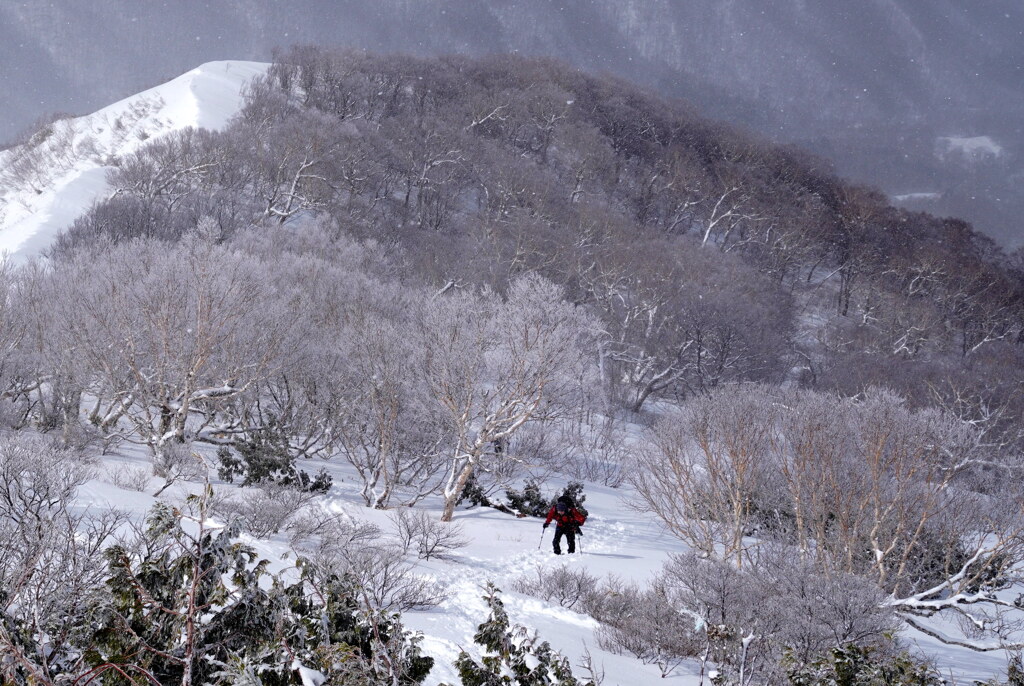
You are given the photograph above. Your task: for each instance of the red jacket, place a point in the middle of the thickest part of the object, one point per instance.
(571, 517)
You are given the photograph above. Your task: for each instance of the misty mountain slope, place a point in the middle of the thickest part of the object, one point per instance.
(871, 85)
(480, 169)
(49, 181)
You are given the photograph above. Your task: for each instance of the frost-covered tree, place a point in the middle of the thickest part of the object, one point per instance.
(702, 468)
(168, 332)
(494, 366)
(680, 321)
(51, 560)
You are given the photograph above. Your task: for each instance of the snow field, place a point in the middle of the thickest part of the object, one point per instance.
(617, 541)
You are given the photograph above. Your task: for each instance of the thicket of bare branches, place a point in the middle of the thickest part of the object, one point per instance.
(52, 568)
(679, 232)
(855, 486)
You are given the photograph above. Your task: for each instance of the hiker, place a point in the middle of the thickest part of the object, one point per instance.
(568, 522)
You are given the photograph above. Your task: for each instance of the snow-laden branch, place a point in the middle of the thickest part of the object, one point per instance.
(224, 391)
(949, 640)
(931, 601)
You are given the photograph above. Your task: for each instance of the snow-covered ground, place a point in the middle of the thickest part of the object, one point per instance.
(501, 548)
(617, 541)
(49, 182)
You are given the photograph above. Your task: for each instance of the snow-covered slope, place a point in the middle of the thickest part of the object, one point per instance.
(619, 542)
(51, 180)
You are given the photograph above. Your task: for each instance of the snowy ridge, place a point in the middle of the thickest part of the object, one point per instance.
(48, 182)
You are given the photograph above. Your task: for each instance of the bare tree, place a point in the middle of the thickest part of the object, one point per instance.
(419, 532)
(683, 322)
(294, 161)
(347, 381)
(16, 380)
(384, 423)
(51, 562)
(169, 332)
(701, 470)
(494, 366)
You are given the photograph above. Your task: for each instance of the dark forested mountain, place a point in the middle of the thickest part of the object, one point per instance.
(921, 98)
(693, 240)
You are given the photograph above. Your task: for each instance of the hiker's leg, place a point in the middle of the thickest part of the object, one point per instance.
(555, 541)
(570, 536)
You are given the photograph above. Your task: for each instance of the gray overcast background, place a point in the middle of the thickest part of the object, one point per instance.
(871, 84)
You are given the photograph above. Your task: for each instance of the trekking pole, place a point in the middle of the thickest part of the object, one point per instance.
(541, 539)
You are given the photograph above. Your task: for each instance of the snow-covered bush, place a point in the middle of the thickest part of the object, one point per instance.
(183, 601)
(573, 588)
(863, 666)
(264, 511)
(131, 478)
(175, 462)
(265, 457)
(476, 493)
(387, 581)
(51, 562)
(645, 624)
(742, 620)
(529, 501)
(200, 608)
(38, 479)
(321, 534)
(428, 538)
(339, 545)
(749, 618)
